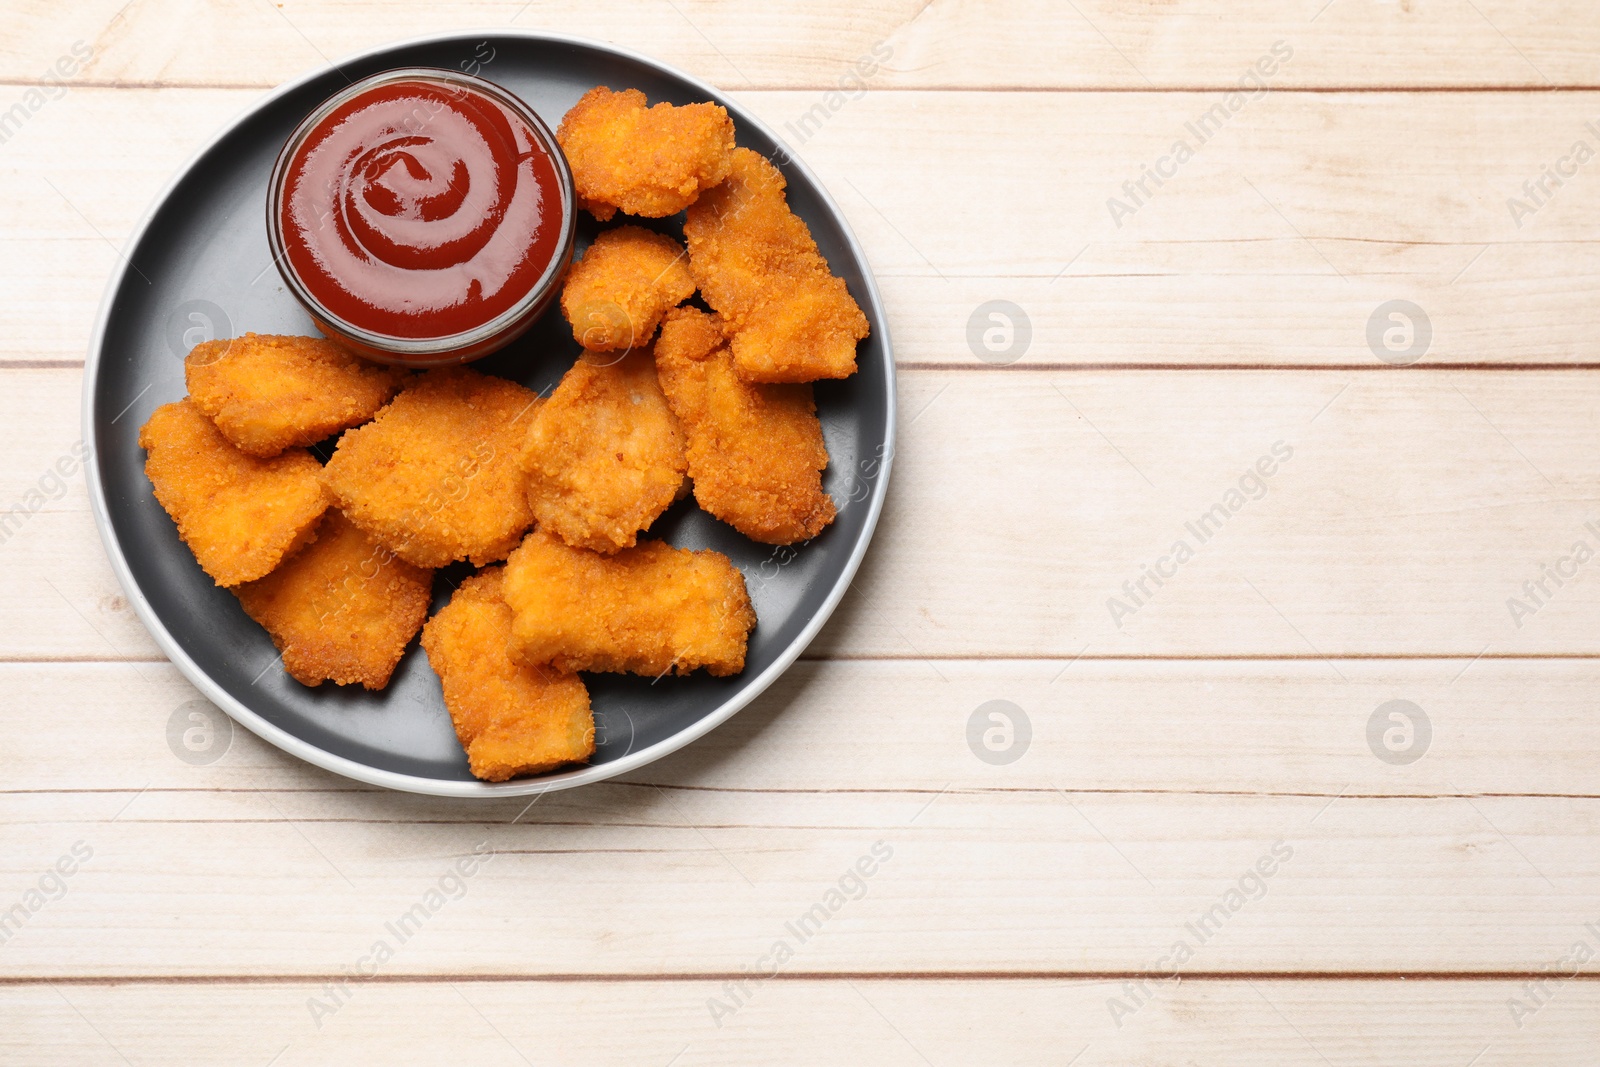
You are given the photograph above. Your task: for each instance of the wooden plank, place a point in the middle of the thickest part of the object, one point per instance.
(1023, 43)
(61, 586)
(1145, 793)
(1161, 727)
(1261, 251)
(1412, 513)
(1266, 1023)
(985, 880)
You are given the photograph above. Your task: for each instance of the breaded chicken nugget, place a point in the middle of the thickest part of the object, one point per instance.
(755, 451)
(267, 393)
(604, 454)
(650, 161)
(238, 514)
(436, 476)
(341, 610)
(646, 610)
(616, 294)
(511, 719)
(788, 318)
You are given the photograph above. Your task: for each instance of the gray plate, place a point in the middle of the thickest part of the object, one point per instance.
(198, 267)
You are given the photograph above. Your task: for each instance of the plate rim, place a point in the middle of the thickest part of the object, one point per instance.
(410, 783)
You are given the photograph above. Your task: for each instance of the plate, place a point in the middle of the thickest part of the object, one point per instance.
(198, 267)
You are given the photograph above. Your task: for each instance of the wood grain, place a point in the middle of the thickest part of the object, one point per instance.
(1413, 510)
(1274, 246)
(964, 44)
(978, 880)
(1162, 728)
(1281, 1024)
(1129, 794)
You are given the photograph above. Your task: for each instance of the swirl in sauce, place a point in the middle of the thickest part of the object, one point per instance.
(420, 210)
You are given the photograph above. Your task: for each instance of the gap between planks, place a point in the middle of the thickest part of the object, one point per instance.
(953, 87)
(1263, 794)
(14, 981)
(1095, 368)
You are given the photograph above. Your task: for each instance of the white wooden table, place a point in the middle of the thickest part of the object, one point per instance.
(1424, 911)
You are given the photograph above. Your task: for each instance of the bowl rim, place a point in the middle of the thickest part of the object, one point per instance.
(409, 783)
(413, 351)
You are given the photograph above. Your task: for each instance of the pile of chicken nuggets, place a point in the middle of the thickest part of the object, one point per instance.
(549, 496)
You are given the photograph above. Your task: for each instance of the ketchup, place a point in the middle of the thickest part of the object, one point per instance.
(420, 210)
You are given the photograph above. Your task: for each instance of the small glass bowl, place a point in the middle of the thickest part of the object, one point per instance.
(431, 351)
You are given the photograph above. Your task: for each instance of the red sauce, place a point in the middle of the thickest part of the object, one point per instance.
(420, 210)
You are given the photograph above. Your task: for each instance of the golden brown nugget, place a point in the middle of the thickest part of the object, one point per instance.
(646, 610)
(616, 294)
(788, 318)
(649, 161)
(238, 514)
(755, 451)
(267, 393)
(437, 475)
(341, 610)
(511, 719)
(604, 454)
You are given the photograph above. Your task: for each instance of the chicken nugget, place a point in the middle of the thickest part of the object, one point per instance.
(646, 610)
(437, 476)
(267, 393)
(616, 294)
(239, 515)
(511, 719)
(604, 454)
(341, 610)
(755, 451)
(650, 161)
(789, 319)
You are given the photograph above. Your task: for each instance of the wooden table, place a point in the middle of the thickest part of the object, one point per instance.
(1213, 783)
